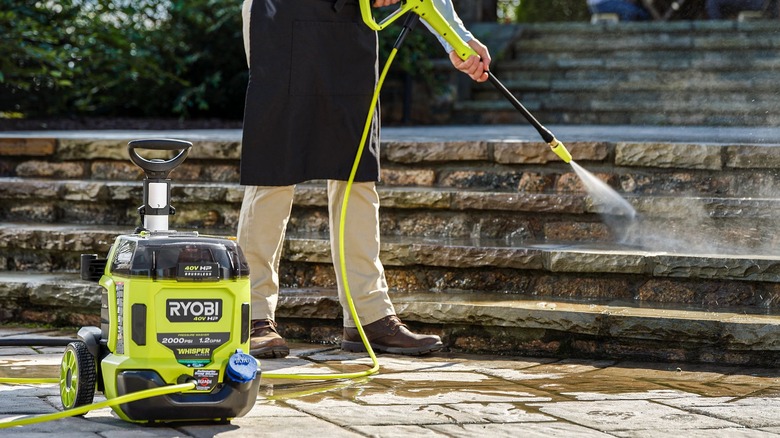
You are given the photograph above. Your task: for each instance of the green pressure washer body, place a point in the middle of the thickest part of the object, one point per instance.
(175, 309)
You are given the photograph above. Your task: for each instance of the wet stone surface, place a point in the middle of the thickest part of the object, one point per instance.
(441, 395)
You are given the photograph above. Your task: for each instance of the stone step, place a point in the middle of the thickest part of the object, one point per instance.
(657, 73)
(656, 61)
(736, 225)
(575, 108)
(469, 322)
(631, 167)
(580, 271)
(409, 161)
(729, 85)
(697, 35)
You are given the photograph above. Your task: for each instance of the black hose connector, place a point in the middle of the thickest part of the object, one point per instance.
(409, 24)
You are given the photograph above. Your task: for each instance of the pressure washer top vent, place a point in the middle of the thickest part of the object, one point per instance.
(186, 257)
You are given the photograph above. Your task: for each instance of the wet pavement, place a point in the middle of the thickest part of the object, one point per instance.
(441, 395)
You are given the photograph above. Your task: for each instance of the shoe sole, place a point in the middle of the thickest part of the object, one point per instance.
(270, 352)
(358, 347)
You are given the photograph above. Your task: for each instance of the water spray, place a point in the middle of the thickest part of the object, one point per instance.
(426, 9)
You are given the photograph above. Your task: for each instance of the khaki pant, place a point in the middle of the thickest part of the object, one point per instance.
(265, 213)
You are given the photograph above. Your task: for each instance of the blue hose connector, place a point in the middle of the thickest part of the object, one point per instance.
(241, 367)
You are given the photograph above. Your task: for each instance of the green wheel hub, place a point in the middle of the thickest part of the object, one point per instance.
(77, 376)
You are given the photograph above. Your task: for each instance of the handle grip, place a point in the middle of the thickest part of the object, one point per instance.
(428, 12)
(158, 168)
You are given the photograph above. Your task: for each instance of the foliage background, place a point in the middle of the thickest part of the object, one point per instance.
(533, 11)
(161, 58)
(122, 57)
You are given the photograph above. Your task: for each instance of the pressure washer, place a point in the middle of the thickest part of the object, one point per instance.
(175, 306)
(175, 309)
(174, 321)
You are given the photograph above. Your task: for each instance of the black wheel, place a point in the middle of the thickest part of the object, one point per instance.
(77, 376)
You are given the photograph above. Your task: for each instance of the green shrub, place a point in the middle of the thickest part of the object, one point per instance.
(141, 58)
(39, 60)
(532, 11)
(136, 58)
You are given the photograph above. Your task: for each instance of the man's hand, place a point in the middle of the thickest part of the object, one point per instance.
(383, 3)
(476, 67)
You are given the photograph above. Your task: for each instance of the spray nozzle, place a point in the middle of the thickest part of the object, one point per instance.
(560, 150)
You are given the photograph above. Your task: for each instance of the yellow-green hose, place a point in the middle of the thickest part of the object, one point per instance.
(127, 398)
(28, 380)
(342, 259)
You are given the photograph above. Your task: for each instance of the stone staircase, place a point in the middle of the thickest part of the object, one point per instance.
(489, 239)
(712, 73)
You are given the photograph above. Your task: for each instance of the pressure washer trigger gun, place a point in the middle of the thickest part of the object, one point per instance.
(426, 9)
(428, 12)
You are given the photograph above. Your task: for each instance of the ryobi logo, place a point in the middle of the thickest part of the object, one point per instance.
(193, 310)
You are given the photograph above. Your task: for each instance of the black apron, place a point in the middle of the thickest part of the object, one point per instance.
(313, 68)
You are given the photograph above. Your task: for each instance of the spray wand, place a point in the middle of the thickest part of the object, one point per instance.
(426, 10)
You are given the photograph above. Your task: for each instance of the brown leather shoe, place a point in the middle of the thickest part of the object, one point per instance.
(265, 342)
(390, 335)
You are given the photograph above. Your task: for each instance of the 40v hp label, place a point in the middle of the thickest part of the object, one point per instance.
(198, 271)
(185, 310)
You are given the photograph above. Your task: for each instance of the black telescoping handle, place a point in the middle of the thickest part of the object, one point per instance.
(157, 168)
(544, 132)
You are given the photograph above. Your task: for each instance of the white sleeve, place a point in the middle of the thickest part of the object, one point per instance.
(447, 10)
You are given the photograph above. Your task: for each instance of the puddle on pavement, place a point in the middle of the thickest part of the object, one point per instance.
(39, 366)
(436, 380)
(710, 389)
(318, 389)
(430, 394)
(454, 378)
